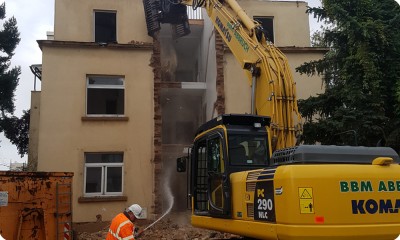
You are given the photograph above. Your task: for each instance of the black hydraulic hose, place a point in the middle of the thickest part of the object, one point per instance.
(197, 4)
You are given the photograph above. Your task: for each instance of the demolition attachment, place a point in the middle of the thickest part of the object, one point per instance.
(166, 11)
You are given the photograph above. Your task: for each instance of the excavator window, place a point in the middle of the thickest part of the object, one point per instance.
(215, 171)
(200, 179)
(248, 150)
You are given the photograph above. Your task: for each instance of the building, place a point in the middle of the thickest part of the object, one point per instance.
(117, 107)
(17, 166)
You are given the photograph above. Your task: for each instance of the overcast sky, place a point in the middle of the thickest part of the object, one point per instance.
(34, 19)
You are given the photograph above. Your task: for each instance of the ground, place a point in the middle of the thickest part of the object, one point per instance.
(172, 227)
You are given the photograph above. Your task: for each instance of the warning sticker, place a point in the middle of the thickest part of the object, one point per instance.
(3, 199)
(306, 200)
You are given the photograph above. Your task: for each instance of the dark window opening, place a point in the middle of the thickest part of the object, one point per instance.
(268, 24)
(114, 179)
(105, 27)
(93, 179)
(105, 95)
(105, 101)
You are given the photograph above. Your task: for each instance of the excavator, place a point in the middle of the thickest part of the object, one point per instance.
(250, 176)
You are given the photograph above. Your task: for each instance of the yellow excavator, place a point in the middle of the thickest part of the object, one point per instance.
(247, 174)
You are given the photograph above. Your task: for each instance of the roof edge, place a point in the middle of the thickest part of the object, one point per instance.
(75, 44)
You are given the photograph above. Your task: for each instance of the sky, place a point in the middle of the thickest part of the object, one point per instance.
(34, 19)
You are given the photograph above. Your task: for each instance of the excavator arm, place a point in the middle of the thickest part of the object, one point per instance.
(267, 68)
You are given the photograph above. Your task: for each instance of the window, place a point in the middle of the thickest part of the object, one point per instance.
(105, 95)
(248, 149)
(103, 174)
(215, 170)
(105, 26)
(268, 24)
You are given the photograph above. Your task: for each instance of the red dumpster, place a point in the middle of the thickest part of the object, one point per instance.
(35, 205)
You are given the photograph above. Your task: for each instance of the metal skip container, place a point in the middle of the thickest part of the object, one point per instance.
(35, 205)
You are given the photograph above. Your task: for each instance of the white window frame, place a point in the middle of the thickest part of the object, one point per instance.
(94, 22)
(104, 167)
(103, 86)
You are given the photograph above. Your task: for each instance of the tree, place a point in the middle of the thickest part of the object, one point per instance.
(14, 128)
(361, 74)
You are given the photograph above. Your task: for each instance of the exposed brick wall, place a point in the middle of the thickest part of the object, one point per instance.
(156, 63)
(219, 105)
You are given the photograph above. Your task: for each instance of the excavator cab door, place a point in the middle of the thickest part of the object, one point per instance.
(211, 187)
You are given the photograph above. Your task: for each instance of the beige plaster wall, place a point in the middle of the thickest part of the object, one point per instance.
(64, 137)
(291, 24)
(209, 67)
(306, 86)
(74, 20)
(238, 90)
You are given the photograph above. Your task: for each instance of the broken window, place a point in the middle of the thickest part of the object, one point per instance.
(103, 174)
(105, 95)
(268, 24)
(105, 27)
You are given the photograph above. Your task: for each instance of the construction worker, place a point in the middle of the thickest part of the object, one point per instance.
(123, 225)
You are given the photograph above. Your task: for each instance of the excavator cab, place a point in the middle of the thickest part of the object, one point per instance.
(305, 192)
(225, 145)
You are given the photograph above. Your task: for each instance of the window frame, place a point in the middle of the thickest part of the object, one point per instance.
(104, 86)
(104, 166)
(94, 24)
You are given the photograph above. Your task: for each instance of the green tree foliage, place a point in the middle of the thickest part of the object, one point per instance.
(361, 74)
(14, 128)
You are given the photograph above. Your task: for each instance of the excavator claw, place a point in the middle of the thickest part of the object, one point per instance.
(164, 11)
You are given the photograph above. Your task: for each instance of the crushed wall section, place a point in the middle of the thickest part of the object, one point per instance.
(156, 64)
(220, 48)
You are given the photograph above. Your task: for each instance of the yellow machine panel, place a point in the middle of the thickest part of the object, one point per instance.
(330, 201)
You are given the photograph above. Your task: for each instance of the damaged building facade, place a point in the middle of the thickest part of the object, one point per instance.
(117, 107)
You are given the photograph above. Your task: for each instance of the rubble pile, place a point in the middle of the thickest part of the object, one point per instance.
(167, 229)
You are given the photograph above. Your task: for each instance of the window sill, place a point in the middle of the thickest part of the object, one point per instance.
(102, 199)
(122, 119)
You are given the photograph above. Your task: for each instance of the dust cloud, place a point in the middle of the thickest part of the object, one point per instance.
(169, 60)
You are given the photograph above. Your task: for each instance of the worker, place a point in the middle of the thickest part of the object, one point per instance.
(123, 225)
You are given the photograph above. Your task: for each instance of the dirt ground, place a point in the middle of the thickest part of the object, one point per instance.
(171, 227)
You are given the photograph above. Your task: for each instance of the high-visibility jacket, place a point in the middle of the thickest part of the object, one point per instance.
(121, 228)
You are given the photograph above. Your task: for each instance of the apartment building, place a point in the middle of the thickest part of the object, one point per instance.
(117, 107)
